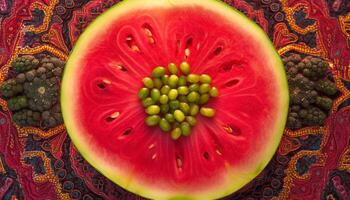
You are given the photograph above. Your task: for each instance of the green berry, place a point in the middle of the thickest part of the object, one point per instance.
(158, 72)
(155, 94)
(165, 79)
(176, 133)
(164, 125)
(153, 110)
(173, 93)
(194, 109)
(184, 107)
(172, 68)
(194, 87)
(152, 120)
(17, 103)
(204, 88)
(191, 120)
(174, 104)
(147, 102)
(185, 128)
(207, 112)
(183, 90)
(157, 83)
(179, 115)
(324, 102)
(204, 98)
(185, 68)
(182, 81)
(173, 79)
(164, 108)
(214, 92)
(143, 93)
(170, 117)
(193, 78)
(205, 78)
(148, 82)
(165, 89)
(193, 97)
(163, 99)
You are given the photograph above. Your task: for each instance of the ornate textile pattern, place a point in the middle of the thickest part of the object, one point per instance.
(312, 162)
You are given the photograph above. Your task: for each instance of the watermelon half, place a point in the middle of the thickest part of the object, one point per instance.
(105, 118)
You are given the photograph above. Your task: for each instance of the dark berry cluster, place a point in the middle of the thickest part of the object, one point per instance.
(311, 91)
(32, 94)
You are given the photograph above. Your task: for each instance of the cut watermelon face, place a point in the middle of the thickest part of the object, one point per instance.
(106, 119)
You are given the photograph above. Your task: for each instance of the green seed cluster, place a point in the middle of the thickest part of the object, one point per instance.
(24, 63)
(311, 91)
(32, 92)
(173, 97)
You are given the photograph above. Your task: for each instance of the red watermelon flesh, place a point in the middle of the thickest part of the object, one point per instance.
(105, 118)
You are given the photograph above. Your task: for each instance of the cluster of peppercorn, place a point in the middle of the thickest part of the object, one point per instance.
(32, 92)
(311, 91)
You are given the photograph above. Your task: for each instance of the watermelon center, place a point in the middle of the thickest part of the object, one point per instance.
(173, 100)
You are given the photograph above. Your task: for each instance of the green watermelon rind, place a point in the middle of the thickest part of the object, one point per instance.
(235, 179)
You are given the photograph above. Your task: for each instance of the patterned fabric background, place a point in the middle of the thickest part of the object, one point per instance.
(311, 163)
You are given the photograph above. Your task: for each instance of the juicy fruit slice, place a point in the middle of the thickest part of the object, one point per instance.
(105, 119)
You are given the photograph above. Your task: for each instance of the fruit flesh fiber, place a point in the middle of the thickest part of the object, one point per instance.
(212, 162)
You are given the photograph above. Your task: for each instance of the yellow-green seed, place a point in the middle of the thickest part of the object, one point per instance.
(143, 93)
(172, 68)
(184, 107)
(158, 72)
(163, 99)
(204, 99)
(164, 108)
(194, 87)
(205, 78)
(207, 112)
(194, 108)
(164, 125)
(193, 78)
(147, 102)
(165, 89)
(185, 68)
(182, 98)
(185, 128)
(173, 79)
(153, 110)
(182, 81)
(165, 79)
(152, 120)
(157, 83)
(204, 88)
(176, 133)
(148, 82)
(191, 120)
(179, 115)
(173, 94)
(174, 104)
(183, 90)
(170, 117)
(214, 92)
(155, 94)
(192, 97)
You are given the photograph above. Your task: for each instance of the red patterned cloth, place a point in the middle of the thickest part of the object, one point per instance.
(313, 163)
